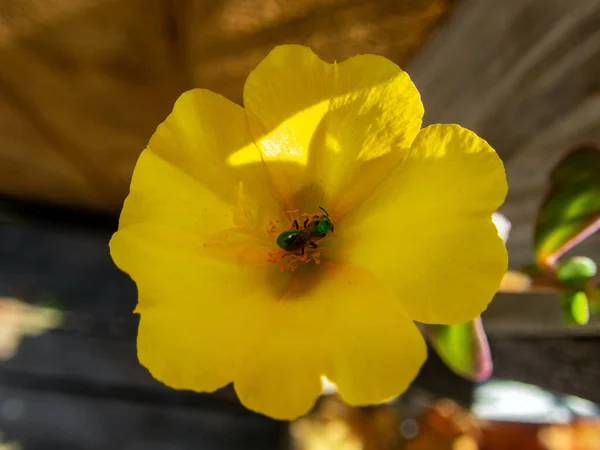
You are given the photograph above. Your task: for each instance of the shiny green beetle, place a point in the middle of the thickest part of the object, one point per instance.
(297, 239)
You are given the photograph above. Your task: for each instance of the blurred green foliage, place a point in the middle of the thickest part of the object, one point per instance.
(571, 210)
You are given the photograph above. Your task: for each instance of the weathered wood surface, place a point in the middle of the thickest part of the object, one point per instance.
(83, 84)
(564, 365)
(42, 419)
(525, 75)
(80, 386)
(533, 315)
(88, 367)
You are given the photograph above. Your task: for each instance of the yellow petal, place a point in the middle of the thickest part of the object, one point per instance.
(187, 232)
(331, 132)
(280, 375)
(184, 178)
(197, 313)
(428, 231)
(336, 321)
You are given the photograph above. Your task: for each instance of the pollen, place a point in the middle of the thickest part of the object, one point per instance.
(291, 261)
(272, 228)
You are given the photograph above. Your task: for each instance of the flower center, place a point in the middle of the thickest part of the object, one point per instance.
(298, 243)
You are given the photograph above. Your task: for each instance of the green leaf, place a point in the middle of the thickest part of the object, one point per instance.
(576, 271)
(575, 306)
(579, 267)
(463, 348)
(571, 210)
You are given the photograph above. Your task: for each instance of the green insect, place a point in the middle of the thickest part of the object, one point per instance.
(297, 239)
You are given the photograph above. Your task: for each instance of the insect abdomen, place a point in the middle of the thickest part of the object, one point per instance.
(291, 240)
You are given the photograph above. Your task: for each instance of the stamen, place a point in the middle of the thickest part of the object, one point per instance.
(272, 227)
(273, 257)
(294, 259)
(290, 216)
(288, 260)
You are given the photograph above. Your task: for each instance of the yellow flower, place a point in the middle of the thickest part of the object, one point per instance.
(413, 238)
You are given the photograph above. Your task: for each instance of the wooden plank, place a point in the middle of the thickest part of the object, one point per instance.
(43, 419)
(38, 172)
(88, 81)
(93, 80)
(74, 271)
(531, 316)
(568, 366)
(524, 75)
(225, 49)
(73, 268)
(81, 386)
(88, 367)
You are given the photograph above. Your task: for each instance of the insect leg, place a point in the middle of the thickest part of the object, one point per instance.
(295, 224)
(313, 245)
(305, 222)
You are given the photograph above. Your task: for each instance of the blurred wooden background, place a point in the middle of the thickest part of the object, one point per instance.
(83, 83)
(525, 75)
